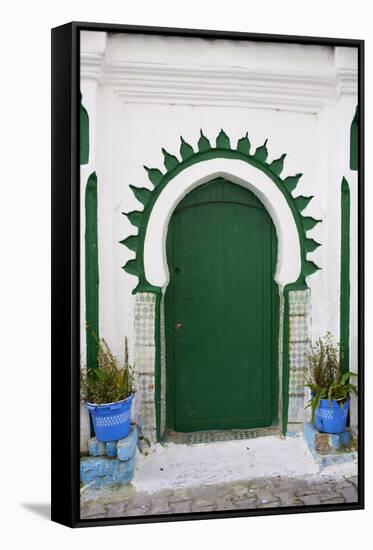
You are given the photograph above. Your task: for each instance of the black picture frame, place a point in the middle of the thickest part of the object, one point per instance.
(66, 267)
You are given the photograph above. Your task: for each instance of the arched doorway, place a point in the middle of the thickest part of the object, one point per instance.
(250, 170)
(221, 311)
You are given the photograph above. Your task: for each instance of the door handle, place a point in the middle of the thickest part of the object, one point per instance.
(178, 325)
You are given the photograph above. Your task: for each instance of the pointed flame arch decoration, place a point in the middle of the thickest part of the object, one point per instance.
(223, 149)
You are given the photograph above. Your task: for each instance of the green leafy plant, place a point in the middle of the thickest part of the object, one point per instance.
(326, 378)
(110, 382)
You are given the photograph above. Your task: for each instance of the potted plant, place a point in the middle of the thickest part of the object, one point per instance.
(330, 386)
(108, 390)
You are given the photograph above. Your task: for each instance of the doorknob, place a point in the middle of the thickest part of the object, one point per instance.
(178, 325)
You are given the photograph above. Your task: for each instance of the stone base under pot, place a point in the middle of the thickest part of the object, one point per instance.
(110, 463)
(329, 448)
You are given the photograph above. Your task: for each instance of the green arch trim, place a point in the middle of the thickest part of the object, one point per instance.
(223, 149)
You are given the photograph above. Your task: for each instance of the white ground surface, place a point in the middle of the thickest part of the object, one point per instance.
(173, 465)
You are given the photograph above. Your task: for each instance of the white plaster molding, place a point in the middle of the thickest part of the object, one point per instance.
(181, 85)
(347, 82)
(229, 86)
(253, 84)
(91, 66)
(346, 66)
(155, 261)
(92, 51)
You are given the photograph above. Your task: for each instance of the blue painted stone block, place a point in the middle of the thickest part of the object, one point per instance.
(111, 449)
(96, 448)
(110, 463)
(324, 447)
(126, 447)
(345, 438)
(101, 472)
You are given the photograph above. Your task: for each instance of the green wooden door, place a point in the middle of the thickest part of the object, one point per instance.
(221, 311)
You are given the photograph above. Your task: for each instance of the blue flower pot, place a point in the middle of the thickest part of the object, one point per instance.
(111, 421)
(330, 417)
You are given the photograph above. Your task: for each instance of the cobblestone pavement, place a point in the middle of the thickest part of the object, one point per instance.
(257, 493)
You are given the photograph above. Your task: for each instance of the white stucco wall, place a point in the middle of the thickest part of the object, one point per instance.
(143, 93)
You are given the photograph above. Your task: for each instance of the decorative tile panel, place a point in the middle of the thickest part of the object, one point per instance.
(145, 351)
(299, 336)
(145, 388)
(144, 319)
(299, 328)
(144, 359)
(297, 381)
(148, 410)
(298, 355)
(297, 413)
(299, 302)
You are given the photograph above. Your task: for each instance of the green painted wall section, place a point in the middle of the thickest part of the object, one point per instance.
(91, 270)
(354, 141)
(84, 134)
(205, 152)
(157, 369)
(91, 246)
(345, 274)
(222, 361)
(286, 360)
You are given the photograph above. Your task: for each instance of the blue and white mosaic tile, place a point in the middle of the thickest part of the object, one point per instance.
(145, 351)
(299, 336)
